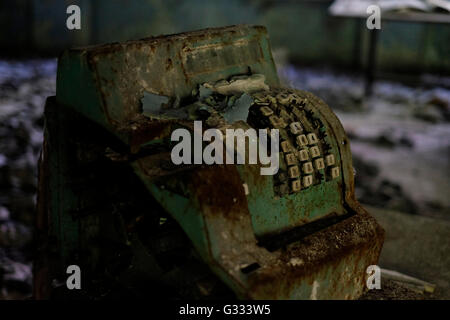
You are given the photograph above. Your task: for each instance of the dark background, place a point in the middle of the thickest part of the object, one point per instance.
(303, 28)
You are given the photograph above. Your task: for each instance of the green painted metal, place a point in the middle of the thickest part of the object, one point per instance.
(227, 212)
(272, 214)
(106, 83)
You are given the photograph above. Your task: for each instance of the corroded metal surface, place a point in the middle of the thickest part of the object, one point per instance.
(107, 82)
(300, 234)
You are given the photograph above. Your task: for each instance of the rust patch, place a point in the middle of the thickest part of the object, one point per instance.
(142, 129)
(358, 237)
(169, 64)
(191, 36)
(220, 188)
(158, 165)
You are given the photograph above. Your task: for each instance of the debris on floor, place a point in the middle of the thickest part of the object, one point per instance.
(24, 87)
(414, 284)
(392, 290)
